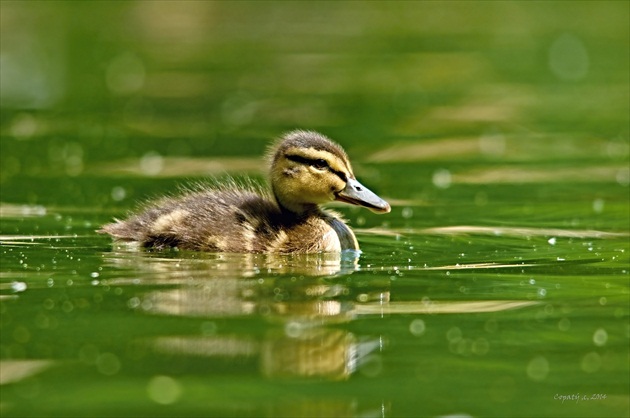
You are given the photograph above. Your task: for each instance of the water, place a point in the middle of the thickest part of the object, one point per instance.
(497, 286)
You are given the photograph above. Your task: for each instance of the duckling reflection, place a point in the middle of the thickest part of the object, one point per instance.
(297, 352)
(282, 286)
(298, 342)
(315, 352)
(171, 265)
(307, 169)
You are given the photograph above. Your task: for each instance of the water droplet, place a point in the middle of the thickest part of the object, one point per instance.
(552, 241)
(480, 346)
(118, 193)
(151, 163)
(21, 335)
(363, 297)
(125, 74)
(108, 364)
(492, 143)
(164, 390)
(146, 305)
(24, 125)
(491, 325)
(208, 328)
(623, 177)
(442, 178)
(293, 329)
(49, 304)
(18, 286)
(600, 337)
(133, 302)
(568, 58)
(371, 365)
(591, 362)
(462, 347)
(417, 327)
(538, 368)
(67, 306)
(454, 334)
(481, 199)
(88, 354)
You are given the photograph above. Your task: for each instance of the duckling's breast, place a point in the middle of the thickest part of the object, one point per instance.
(317, 233)
(344, 235)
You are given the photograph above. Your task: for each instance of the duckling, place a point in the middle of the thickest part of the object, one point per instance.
(307, 169)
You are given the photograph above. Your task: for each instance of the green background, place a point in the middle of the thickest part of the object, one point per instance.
(497, 286)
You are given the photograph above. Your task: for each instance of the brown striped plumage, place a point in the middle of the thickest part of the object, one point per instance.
(307, 169)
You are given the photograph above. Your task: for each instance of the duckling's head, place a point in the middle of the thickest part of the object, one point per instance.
(308, 169)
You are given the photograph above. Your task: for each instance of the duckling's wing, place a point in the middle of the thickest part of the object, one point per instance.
(139, 227)
(237, 220)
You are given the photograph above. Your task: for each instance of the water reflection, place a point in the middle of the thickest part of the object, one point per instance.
(295, 352)
(294, 293)
(172, 264)
(298, 298)
(219, 285)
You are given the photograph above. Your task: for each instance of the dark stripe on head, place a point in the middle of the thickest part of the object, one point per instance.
(310, 139)
(319, 163)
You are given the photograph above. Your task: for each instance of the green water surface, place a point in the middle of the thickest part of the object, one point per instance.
(497, 286)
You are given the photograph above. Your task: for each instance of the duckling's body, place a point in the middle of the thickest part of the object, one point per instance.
(306, 169)
(234, 220)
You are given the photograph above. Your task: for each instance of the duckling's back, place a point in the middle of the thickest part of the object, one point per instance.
(210, 220)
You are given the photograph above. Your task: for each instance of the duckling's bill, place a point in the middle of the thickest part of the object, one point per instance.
(357, 194)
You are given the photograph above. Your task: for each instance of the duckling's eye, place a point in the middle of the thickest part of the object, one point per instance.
(319, 163)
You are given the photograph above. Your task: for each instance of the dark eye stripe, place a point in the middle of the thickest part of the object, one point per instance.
(339, 174)
(318, 163)
(307, 161)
